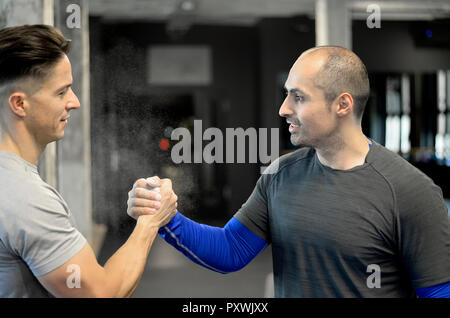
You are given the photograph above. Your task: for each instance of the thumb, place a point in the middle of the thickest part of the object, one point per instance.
(154, 182)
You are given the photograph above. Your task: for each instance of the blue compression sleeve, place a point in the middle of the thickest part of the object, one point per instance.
(437, 291)
(222, 250)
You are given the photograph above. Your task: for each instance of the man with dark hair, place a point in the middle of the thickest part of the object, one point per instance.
(41, 252)
(345, 216)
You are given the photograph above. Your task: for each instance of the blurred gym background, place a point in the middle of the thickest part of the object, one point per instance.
(145, 67)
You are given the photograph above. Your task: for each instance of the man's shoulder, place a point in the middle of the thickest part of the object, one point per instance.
(289, 159)
(21, 184)
(22, 193)
(397, 171)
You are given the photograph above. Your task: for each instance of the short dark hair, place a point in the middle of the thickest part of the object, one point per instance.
(343, 72)
(30, 51)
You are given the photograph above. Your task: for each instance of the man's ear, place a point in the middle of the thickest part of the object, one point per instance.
(17, 103)
(345, 104)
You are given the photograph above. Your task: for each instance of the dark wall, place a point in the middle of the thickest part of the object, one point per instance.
(118, 58)
(281, 42)
(392, 49)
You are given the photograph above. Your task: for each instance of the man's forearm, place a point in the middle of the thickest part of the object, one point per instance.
(124, 269)
(222, 250)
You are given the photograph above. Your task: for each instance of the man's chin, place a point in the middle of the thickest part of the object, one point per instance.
(58, 137)
(296, 141)
(299, 142)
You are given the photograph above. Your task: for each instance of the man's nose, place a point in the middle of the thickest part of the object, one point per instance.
(74, 102)
(285, 109)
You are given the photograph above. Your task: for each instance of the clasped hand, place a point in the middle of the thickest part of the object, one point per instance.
(152, 198)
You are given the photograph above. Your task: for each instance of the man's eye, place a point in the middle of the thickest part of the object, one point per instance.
(299, 98)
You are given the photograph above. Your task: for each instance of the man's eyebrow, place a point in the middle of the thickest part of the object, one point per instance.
(294, 90)
(64, 87)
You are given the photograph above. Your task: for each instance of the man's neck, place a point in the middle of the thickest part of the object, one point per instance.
(344, 152)
(23, 147)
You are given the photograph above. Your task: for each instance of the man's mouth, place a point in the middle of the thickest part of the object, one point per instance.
(293, 127)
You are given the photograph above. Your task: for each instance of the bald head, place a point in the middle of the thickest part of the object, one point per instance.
(339, 70)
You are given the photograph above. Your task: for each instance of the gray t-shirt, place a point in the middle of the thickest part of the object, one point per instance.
(344, 233)
(37, 230)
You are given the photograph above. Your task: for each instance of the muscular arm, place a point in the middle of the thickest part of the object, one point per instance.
(121, 273)
(118, 278)
(222, 250)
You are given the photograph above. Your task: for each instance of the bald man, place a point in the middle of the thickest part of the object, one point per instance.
(345, 216)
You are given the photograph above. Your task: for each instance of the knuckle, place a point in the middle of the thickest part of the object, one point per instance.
(152, 211)
(153, 180)
(141, 182)
(154, 195)
(167, 181)
(140, 192)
